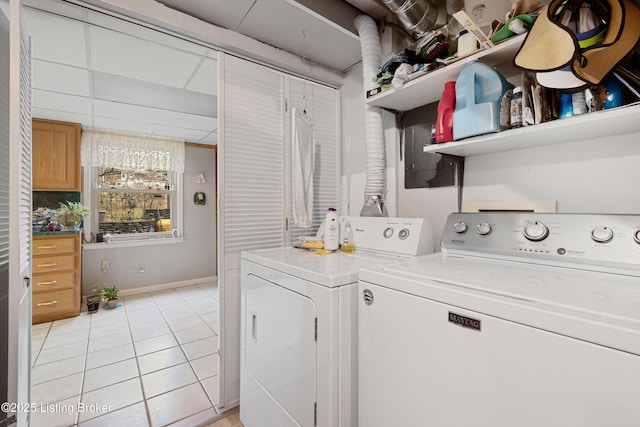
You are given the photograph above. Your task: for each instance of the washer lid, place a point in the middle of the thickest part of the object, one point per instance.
(597, 307)
(331, 270)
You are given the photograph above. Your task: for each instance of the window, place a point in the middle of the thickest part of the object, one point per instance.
(134, 189)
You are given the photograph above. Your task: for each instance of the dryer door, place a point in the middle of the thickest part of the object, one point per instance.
(281, 346)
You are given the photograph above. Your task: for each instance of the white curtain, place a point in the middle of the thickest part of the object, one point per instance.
(130, 151)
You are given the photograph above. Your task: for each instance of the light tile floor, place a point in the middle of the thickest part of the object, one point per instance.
(151, 362)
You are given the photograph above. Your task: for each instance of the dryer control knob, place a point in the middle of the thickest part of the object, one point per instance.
(460, 227)
(536, 231)
(483, 228)
(636, 236)
(602, 234)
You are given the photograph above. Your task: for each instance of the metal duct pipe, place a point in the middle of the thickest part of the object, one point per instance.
(418, 16)
(374, 134)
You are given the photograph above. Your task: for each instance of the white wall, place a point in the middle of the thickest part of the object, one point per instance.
(593, 176)
(195, 258)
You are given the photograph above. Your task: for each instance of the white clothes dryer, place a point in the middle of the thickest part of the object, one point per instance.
(298, 333)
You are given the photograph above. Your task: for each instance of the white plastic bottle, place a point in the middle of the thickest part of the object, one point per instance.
(331, 230)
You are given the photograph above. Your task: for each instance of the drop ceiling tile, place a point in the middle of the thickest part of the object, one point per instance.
(190, 121)
(221, 13)
(205, 79)
(114, 110)
(59, 78)
(60, 102)
(124, 125)
(127, 56)
(138, 31)
(41, 113)
(322, 42)
(56, 39)
(186, 134)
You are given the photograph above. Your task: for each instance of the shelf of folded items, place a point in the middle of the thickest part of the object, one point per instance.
(427, 88)
(600, 124)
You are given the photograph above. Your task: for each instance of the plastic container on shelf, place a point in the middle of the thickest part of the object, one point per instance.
(467, 43)
(444, 119)
(516, 108)
(479, 90)
(331, 230)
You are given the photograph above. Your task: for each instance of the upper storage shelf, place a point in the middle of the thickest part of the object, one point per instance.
(605, 123)
(428, 88)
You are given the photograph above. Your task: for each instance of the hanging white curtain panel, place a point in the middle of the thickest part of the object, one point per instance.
(130, 151)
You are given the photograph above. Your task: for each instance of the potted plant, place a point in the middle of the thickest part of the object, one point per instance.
(93, 300)
(111, 294)
(72, 213)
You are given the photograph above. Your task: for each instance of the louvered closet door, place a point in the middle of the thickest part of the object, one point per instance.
(322, 105)
(251, 213)
(18, 324)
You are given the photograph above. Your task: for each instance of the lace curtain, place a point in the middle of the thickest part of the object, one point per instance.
(130, 151)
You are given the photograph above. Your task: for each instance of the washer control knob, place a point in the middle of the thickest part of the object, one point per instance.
(388, 232)
(460, 227)
(602, 234)
(483, 228)
(403, 234)
(536, 231)
(636, 236)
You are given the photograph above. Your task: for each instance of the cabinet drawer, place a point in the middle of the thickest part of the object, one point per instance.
(46, 282)
(53, 303)
(54, 263)
(45, 246)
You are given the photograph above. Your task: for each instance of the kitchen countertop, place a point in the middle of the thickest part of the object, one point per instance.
(55, 233)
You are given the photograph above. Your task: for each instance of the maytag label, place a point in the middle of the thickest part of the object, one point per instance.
(464, 321)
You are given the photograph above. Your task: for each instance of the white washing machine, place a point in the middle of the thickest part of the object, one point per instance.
(298, 334)
(523, 320)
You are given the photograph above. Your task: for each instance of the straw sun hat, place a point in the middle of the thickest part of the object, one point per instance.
(564, 59)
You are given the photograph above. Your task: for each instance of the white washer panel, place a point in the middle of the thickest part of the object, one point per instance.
(280, 344)
(505, 374)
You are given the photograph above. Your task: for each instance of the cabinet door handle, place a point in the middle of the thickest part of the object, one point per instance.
(49, 283)
(47, 247)
(53, 264)
(42, 304)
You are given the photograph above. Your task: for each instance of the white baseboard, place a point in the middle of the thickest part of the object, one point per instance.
(165, 286)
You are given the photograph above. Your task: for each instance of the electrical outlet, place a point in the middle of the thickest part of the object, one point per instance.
(141, 268)
(105, 265)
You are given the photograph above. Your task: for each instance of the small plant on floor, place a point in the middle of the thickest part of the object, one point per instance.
(93, 300)
(110, 292)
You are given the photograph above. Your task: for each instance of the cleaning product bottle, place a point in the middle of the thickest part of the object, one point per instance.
(444, 120)
(348, 245)
(331, 230)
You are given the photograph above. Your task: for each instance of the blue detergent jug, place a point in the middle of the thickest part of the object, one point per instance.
(479, 89)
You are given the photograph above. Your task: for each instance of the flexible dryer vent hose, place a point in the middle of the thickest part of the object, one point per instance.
(374, 134)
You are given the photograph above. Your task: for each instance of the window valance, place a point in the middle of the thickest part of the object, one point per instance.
(113, 149)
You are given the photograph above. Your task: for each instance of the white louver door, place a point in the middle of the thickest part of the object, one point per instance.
(19, 291)
(5, 227)
(251, 212)
(322, 106)
(252, 156)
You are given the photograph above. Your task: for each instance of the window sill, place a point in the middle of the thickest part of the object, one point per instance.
(133, 243)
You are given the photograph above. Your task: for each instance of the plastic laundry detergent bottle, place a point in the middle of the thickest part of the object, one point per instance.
(444, 120)
(331, 230)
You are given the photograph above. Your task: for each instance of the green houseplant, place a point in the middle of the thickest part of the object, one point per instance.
(71, 213)
(110, 292)
(93, 300)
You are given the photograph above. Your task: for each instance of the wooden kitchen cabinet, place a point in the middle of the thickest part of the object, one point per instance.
(56, 277)
(56, 155)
